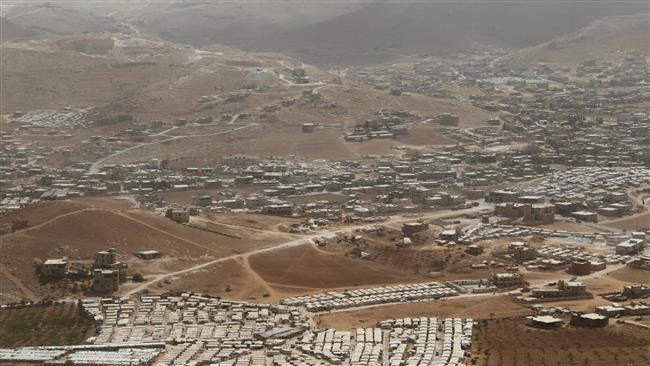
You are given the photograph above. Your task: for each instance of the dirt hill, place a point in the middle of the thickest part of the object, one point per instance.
(140, 75)
(79, 228)
(59, 20)
(604, 39)
(12, 31)
(331, 33)
(380, 31)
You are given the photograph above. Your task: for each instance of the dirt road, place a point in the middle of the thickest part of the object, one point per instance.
(289, 244)
(94, 168)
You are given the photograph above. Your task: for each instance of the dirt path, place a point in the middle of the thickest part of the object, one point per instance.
(241, 227)
(18, 283)
(94, 168)
(159, 278)
(247, 267)
(164, 232)
(292, 243)
(47, 222)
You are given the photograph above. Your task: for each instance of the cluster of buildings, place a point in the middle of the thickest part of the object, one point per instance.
(333, 300)
(107, 271)
(387, 124)
(192, 329)
(428, 341)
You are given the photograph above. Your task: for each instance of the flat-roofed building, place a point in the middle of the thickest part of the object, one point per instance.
(54, 268)
(544, 322)
(585, 216)
(629, 247)
(590, 320)
(507, 279)
(106, 280)
(539, 213)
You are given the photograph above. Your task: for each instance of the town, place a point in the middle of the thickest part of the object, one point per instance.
(213, 204)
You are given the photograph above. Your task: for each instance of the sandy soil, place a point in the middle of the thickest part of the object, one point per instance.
(311, 269)
(631, 275)
(634, 222)
(229, 280)
(476, 308)
(79, 234)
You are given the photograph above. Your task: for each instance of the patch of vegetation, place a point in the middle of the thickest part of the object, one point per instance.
(46, 325)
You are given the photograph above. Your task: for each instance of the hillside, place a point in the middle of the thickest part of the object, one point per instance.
(77, 229)
(58, 20)
(604, 39)
(325, 33)
(380, 31)
(140, 75)
(12, 31)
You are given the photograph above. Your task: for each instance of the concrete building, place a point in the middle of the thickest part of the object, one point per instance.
(580, 267)
(521, 251)
(589, 320)
(449, 235)
(540, 214)
(475, 249)
(544, 322)
(180, 215)
(587, 216)
(510, 210)
(507, 279)
(502, 196)
(105, 259)
(54, 268)
(636, 291)
(148, 254)
(106, 280)
(629, 247)
(564, 289)
(411, 228)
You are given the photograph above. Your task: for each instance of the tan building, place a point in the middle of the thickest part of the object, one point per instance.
(105, 258)
(541, 214)
(509, 209)
(106, 280)
(507, 279)
(580, 267)
(179, 215)
(54, 268)
(521, 251)
(411, 228)
(564, 289)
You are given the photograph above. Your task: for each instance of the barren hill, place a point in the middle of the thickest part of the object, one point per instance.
(12, 31)
(382, 30)
(58, 20)
(77, 229)
(141, 75)
(332, 33)
(604, 39)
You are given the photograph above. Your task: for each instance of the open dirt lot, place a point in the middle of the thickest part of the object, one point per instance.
(41, 212)
(506, 342)
(311, 269)
(476, 308)
(631, 275)
(231, 280)
(77, 231)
